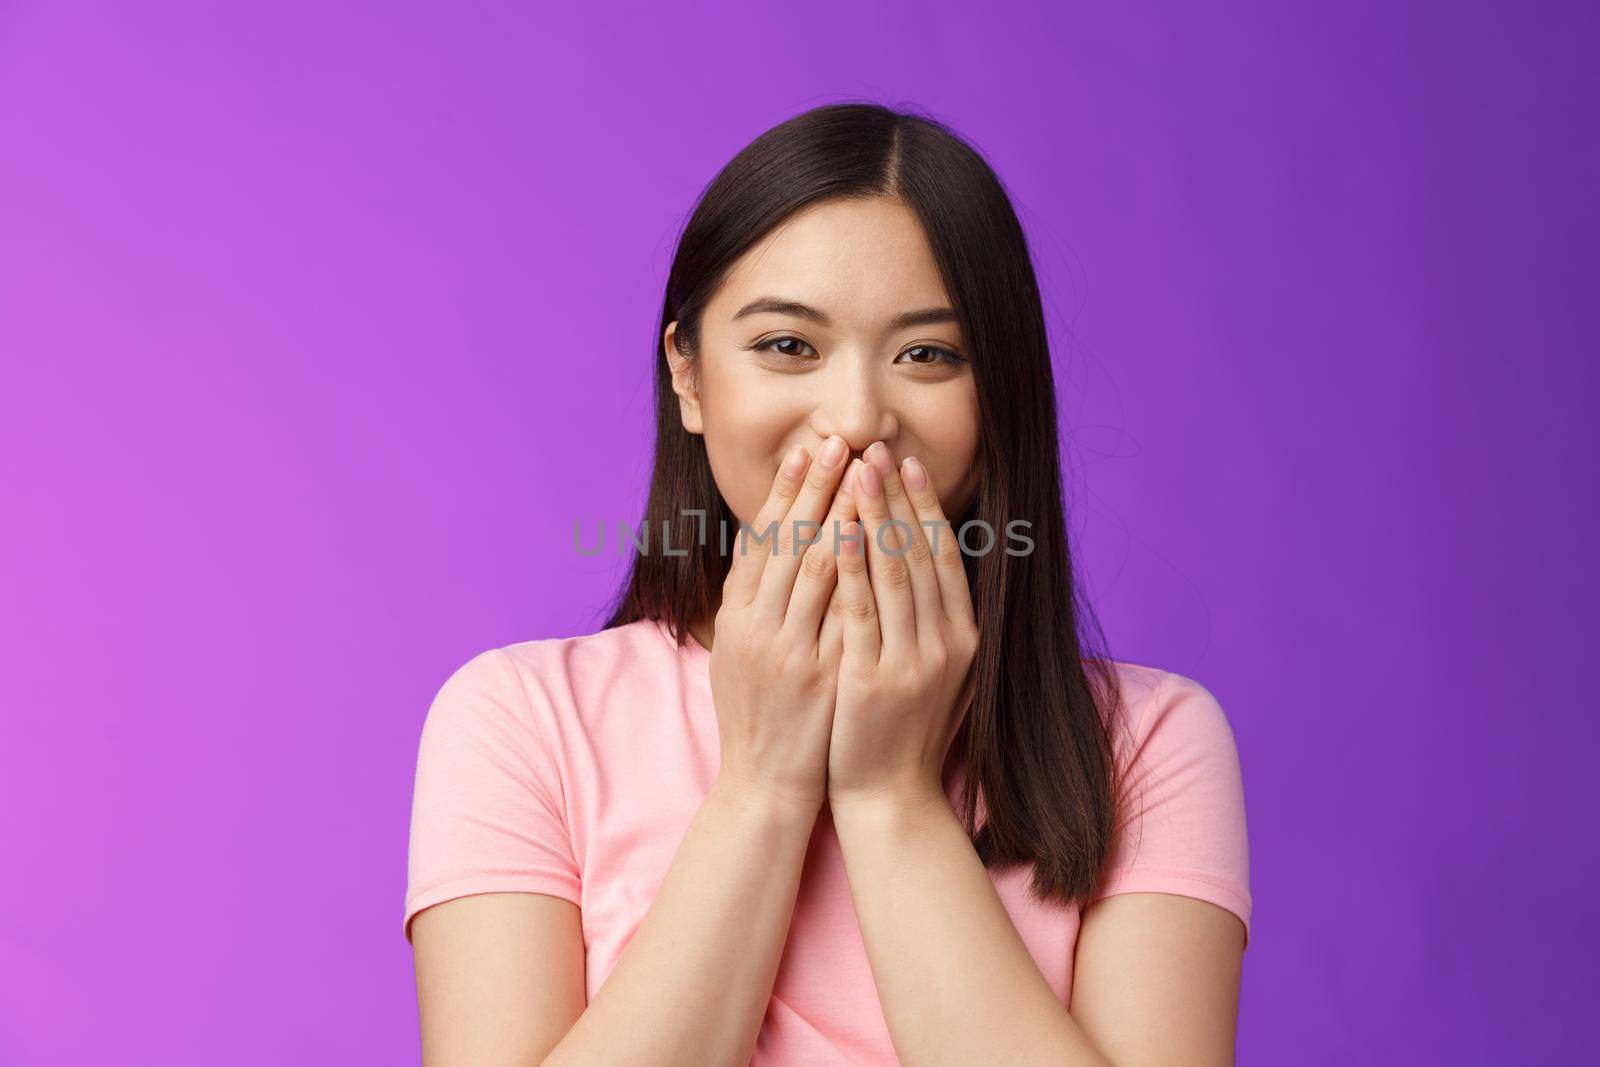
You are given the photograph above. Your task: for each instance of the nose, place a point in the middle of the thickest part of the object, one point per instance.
(850, 406)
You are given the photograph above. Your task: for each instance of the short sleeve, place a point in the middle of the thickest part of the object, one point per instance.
(1181, 818)
(486, 811)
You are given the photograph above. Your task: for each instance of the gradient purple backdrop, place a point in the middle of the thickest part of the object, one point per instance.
(321, 326)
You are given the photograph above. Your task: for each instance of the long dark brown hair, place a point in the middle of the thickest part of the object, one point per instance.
(1036, 740)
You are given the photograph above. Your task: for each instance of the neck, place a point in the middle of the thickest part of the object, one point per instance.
(702, 629)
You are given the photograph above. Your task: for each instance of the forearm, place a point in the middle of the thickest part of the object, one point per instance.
(692, 986)
(956, 982)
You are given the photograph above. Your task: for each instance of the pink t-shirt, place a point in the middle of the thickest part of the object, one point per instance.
(573, 766)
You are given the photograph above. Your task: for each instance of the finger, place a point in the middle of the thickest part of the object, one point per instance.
(818, 578)
(750, 553)
(891, 577)
(831, 641)
(908, 540)
(800, 526)
(862, 637)
(955, 594)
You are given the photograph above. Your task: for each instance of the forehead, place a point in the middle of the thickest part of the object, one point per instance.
(860, 261)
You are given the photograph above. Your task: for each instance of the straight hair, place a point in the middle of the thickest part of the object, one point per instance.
(1036, 741)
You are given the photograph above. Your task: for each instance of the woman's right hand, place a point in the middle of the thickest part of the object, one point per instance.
(773, 679)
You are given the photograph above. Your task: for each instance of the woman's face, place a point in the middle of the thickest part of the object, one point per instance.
(771, 378)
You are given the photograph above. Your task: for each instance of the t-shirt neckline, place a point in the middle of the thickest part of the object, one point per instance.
(693, 652)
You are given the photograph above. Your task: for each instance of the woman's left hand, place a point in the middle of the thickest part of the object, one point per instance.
(909, 638)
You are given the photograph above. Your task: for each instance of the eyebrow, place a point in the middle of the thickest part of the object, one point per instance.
(778, 306)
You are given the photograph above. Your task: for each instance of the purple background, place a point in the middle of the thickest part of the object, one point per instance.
(321, 327)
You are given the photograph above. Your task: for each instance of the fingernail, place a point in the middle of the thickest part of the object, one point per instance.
(850, 538)
(878, 456)
(795, 461)
(867, 480)
(832, 453)
(915, 476)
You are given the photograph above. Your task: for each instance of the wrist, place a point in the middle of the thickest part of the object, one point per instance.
(888, 803)
(741, 794)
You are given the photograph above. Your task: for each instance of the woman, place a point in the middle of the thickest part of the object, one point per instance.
(855, 793)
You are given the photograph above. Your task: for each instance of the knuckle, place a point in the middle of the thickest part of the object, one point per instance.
(905, 678)
(790, 535)
(787, 484)
(783, 493)
(790, 662)
(817, 564)
(919, 553)
(754, 542)
(744, 637)
(860, 609)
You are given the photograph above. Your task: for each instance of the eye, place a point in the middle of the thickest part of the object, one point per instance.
(787, 353)
(938, 355)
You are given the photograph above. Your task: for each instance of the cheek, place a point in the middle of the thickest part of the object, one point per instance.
(950, 441)
(746, 431)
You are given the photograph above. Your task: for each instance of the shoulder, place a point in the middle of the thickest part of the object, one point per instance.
(1169, 712)
(592, 663)
(600, 649)
(1181, 825)
(528, 696)
(1176, 759)
(549, 671)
